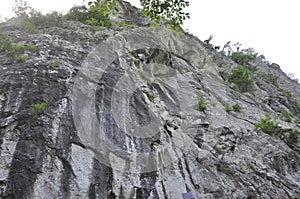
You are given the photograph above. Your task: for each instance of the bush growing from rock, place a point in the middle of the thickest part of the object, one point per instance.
(14, 50)
(228, 108)
(292, 136)
(53, 19)
(285, 115)
(241, 77)
(267, 125)
(201, 104)
(288, 93)
(236, 108)
(55, 63)
(242, 58)
(270, 78)
(96, 14)
(77, 13)
(40, 107)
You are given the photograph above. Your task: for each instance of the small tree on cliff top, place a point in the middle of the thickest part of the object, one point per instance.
(157, 10)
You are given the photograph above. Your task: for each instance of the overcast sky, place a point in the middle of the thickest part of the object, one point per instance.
(271, 27)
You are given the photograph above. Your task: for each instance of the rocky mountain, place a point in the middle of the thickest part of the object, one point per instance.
(132, 111)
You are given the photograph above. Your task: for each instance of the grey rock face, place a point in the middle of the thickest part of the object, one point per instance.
(122, 119)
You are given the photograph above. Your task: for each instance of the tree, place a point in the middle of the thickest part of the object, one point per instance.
(22, 9)
(170, 10)
(98, 11)
(157, 10)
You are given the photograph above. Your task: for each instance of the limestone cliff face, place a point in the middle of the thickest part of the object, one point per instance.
(114, 113)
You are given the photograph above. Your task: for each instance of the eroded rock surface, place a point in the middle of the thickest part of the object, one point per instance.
(148, 77)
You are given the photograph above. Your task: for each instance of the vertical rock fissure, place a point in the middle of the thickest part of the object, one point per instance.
(26, 165)
(101, 185)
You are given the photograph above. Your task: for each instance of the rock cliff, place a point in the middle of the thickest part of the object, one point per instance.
(133, 111)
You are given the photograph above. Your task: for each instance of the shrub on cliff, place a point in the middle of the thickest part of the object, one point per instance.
(242, 58)
(14, 50)
(286, 116)
(30, 18)
(267, 125)
(241, 77)
(270, 78)
(96, 14)
(201, 105)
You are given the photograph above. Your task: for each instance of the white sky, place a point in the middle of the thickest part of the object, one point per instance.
(269, 26)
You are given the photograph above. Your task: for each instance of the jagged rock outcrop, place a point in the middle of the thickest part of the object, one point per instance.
(117, 116)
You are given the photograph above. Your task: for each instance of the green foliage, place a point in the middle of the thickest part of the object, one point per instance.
(285, 115)
(27, 26)
(241, 78)
(288, 93)
(40, 107)
(150, 96)
(228, 108)
(298, 105)
(30, 18)
(77, 13)
(267, 125)
(5, 43)
(53, 19)
(170, 10)
(271, 78)
(242, 58)
(270, 126)
(21, 58)
(201, 105)
(22, 9)
(236, 108)
(97, 14)
(122, 24)
(263, 59)
(31, 47)
(55, 63)
(297, 118)
(292, 136)
(14, 50)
